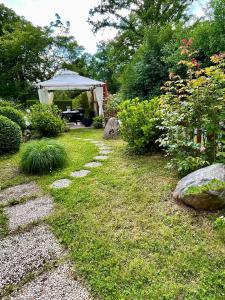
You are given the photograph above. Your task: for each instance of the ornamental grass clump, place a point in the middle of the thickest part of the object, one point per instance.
(42, 157)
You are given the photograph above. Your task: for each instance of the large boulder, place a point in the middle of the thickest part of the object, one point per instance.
(112, 129)
(208, 197)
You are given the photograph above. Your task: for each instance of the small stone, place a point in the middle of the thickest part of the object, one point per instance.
(19, 191)
(105, 152)
(101, 157)
(61, 183)
(93, 164)
(111, 130)
(28, 212)
(81, 173)
(88, 140)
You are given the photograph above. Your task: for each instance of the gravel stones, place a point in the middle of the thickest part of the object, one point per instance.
(81, 173)
(93, 164)
(61, 183)
(26, 252)
(54, 285)
(19, 191)
(101, 157)
(28, 212)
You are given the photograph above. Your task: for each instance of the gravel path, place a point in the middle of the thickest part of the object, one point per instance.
(54, 285)
(28, 212)
(19, 191)
(26, 252)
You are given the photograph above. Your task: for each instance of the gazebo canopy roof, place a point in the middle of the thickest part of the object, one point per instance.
(68, 80)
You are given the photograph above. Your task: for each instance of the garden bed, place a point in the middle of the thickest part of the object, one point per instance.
(127, 238)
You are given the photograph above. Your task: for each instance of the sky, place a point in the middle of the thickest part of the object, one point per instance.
(42, 12)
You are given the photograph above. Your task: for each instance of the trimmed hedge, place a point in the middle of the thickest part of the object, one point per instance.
(41, 157)
(10, 135)
(14, 115)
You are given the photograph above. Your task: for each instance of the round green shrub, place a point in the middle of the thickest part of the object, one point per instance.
(140, 121)
(98, 122)
(10, 135)
(14, 115)
(47, 124)
(44, 156)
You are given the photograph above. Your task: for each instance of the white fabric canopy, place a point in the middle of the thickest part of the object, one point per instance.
(66, 80)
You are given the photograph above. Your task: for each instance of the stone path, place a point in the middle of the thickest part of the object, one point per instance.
(103, 151)
(34, 252)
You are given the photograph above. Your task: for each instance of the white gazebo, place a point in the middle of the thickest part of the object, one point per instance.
(66, 80)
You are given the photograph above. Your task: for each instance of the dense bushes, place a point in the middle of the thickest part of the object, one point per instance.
(10, 135)
(45, 120)
(193, 114)
(139, 124)
(98, 122)
(42, 157)
(14, 115)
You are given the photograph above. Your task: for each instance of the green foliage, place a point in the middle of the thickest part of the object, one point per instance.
(45, 120)
(111, 107)
(139, 124)
(4, 103)
(212, 185)
(98, 122)
(14, 115)
(41, 157)
(193, 113)
(220, 222)
(30, 103)
(10, 135)
(64, 104)
(146, 72)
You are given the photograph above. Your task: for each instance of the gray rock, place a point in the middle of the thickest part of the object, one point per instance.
(19, 191)
(26, 252)
(61, 183)
(81, 173)
(28, 212)
(53, 285)
(213, 199)
(93, 164)
(111, 130)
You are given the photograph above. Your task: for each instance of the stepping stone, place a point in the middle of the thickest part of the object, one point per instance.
(61, 183)
(33, 210)
(88, 140)
(26, 252)
(101, 157)
(53, 285)
(19, 191)
(105, 151)
(81, 173)
(93, 164)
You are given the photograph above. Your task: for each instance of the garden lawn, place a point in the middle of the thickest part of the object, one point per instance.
(127, 238)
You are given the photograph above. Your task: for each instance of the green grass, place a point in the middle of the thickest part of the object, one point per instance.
(128, 239)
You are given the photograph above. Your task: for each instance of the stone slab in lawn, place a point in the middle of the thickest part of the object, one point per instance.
(105, 151)
(33, 210)
(19, 191)
(26, 252)
(61, 183)
(53, 285)
(101, 157)
(81, 173)
(93, 164)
